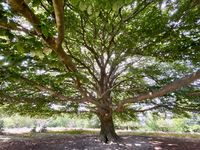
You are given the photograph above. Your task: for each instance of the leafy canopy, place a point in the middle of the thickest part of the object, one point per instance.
(78, 56)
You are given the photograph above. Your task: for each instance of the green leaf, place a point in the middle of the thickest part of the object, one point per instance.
(74, 2)
(128, 1)
(20, 47)
(37, 53)
(27, 1)
(116, 6)
(82, 6)
(36, 3)
(3, 37)
(89, 10)
(47, 51)
(32, 53)
(45, 30)
(40, 54)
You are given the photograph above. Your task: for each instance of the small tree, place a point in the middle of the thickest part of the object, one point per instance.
(103, 57)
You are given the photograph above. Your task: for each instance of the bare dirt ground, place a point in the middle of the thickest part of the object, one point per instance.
(91, 142)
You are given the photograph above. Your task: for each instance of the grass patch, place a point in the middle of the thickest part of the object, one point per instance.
(74, 132)
(63, 133)
(55, 134)
(159, 134)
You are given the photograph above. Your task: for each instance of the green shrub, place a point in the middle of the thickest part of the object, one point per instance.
(179, 125)
(75, 122)
(60, 121)
(93, 122)
(159, 124)
(193, 128)
(17, 121)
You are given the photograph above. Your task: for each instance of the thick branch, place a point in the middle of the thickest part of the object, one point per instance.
(164, 90)
(21, 7)
(59, 14)
(74, 111)
(194, 94)
(165, 106)
(16, 27)
(147, 109)
(191, 109)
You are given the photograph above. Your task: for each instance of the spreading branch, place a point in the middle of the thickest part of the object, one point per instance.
(22, 8)
(13, 99)
(194, 94)
(42, 87)
(148, 109)
(137, 11)
(16, 27)
(177, 84)
(156, 106)
(83, 64)
(59, 14)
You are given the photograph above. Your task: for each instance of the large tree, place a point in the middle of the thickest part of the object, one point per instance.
(116, 57)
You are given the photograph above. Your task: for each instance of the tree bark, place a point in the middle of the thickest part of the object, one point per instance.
(107, 132)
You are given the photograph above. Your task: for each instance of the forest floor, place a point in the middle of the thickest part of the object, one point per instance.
(74, 141)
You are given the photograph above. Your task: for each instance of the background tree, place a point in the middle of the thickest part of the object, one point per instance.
(116, 57)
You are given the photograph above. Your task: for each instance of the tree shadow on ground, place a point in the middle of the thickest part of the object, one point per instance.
(91, 142)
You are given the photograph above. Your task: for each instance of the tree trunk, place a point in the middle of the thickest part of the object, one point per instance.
(107, 133)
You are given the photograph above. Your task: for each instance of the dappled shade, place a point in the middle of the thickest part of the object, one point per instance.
(80, 142)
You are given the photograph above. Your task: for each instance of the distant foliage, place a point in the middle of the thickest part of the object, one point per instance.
(17, 121)
(75, 122)
(172, 125)
(113, 50)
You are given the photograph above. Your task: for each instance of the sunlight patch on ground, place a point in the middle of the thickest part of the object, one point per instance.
(129, 144)
(156, 142)
(172, 144)
(137, 144)
(143, 142)
(157, 148)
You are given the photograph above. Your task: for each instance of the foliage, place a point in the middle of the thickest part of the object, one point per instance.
(67, 121)
(17, 121)
(159, 125)
(177, 124)
(102, 57)
(75, 122)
